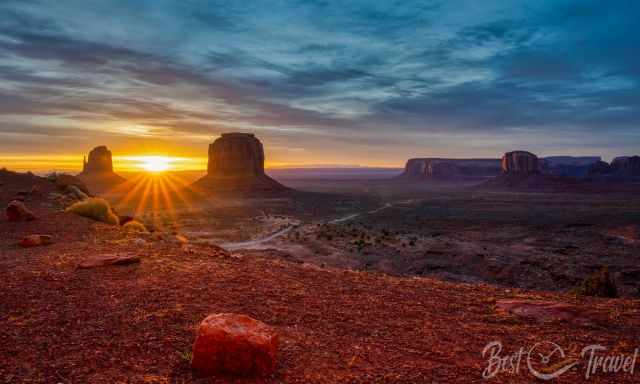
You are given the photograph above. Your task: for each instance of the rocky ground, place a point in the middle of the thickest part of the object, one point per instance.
(135, 323)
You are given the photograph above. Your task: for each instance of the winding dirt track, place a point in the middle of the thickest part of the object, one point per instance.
(281, 232)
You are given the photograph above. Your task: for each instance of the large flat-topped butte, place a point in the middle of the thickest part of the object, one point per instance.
(236, 164)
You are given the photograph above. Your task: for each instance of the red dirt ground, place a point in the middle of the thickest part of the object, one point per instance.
(135, 324)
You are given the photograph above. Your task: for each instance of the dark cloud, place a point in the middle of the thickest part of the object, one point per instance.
(358, 73)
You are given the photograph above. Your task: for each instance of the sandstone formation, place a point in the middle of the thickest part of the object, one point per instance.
(553, 161)
(574, 166)
(99, 161)
(236, 164)
(236, 154)
(234, 344)
(628, 166)
(97, 170)
(621, 169)
(520, 163)
(439, 168)
(600, 168)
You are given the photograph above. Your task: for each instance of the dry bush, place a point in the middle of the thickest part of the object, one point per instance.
(134, 226)
(600, 284)
(94, 208)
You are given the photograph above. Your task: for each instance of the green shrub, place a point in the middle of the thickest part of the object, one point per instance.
(94, 208)
(600, 284)
(134, 226)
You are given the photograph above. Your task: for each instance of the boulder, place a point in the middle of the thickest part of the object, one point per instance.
(234, 344)
(520, 163)
(16, 211)
(105, 260)
(35, 240)
(124, 219)
(236, 164)
(75, 193)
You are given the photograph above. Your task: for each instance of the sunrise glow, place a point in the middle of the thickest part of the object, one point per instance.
(155, 163)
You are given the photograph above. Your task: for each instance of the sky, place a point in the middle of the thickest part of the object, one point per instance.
(368, 83)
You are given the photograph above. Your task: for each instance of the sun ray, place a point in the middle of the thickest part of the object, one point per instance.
(169, 207)
(155, 201)
(143, 200)
(172, 180)
(139, 185)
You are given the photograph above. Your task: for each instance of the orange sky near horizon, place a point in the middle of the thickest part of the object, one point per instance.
(135, 163)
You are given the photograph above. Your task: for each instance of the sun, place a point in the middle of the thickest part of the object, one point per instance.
(155, 163)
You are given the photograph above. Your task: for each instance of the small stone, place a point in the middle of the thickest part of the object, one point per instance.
(35, 240)
(549, 311)
(125, 219)
(16, 211)
(181, 239)
(139, 242)
(105, 260)
(234, 344)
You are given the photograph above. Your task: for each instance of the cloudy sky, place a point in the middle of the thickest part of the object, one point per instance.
(320, 82)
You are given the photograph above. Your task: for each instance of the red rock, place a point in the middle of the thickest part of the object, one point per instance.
(520, 163)
(35, 240)
(236, 164)
(104, 260)
(426, 168)
(234, 344)
(99, 161)
(97, 171)
(548, 311)
(16, 211)
(626, 166)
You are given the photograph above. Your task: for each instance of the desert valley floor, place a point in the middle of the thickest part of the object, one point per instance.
(373, 282)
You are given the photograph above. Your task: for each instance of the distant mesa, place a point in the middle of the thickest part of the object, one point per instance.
(442, 168)
(520, 163)
(517, 162)
(97, 170)
(622, 167)
(626, 166)
(575, 166)
(523, 170)
(601, 168)
(236, 164)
